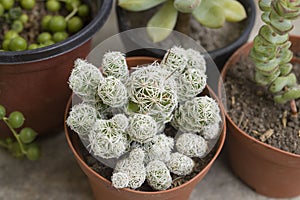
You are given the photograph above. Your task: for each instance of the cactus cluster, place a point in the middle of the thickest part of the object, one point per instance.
(212, 14)
(270, 51)
(122, 116)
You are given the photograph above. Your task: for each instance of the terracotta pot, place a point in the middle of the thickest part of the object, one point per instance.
(220, 56)
(269, 171)
(103, 189)
(35, 81)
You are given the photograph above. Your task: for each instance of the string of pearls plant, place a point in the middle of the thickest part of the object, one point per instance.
(123, 115)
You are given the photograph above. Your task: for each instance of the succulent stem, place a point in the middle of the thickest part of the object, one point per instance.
(271, 53)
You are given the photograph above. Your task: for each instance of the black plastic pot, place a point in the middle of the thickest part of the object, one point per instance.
(220, 56)
(35, 81)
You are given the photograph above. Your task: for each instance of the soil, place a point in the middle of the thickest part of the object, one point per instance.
(251, 107)
(204, 36)
(33, 28)
(106, 171)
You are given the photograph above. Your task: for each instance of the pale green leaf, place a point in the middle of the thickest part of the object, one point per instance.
(139, 5)
(234, 11)
(165, 19)
(210, 14)
(186, 6)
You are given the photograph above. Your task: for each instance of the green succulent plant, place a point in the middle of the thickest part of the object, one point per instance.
(270, 51)
(210, 13)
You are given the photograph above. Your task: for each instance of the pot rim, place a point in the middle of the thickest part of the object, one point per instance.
(221, 81)
(57, 49)
(220, 144)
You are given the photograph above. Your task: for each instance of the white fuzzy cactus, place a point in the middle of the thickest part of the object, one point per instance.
(180, 164)
(134, 169)
(82, 118)
(142, 128)
(152, 92)
(175, 60)
(159, 148)
(114, 64)
(122, 116)
(211, 131)
(191, 145)
(194, 115)
(112, 92)
(158, 175)
(84, 79)
(121, 121)
(107, 140)
(190, 83)
(120, 180)
(195, 60)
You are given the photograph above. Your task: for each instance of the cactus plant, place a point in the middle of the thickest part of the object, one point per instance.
(173, 13)
(122, 116)
(158, 175)
(271, 53)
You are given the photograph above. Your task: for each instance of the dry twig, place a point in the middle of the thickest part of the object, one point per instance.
(266, 135)
(284, 118)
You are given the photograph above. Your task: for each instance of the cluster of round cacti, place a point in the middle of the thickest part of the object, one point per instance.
(138, 106)
(62, 19)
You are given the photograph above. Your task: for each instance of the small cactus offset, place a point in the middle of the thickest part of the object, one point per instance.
(84, 80)
(112, 92)
(81, 119)
(180, 164)
(196, 114)
(132, 169)
(158, 175)
(108, 139)
(142, 128)
(159, 148)
(270, 51)
(114, 64)
(122, 116)
(212, 14)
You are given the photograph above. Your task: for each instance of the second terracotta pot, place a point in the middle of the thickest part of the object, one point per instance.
(103, 189)
(269, 171)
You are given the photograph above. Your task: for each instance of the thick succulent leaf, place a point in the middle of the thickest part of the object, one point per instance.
(282, 82)
(290, 94)
(234, 11)
(285, 69)
(139, 5)
(266, 49)
(265, 5)
(279, 24)
(265, 80)
(209, 14)
(186, 6)
(269, 35)
(163, 22)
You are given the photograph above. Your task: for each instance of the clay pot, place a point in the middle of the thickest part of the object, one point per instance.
(269, 171)
(220, 56)
(35, 81)
(103, 189)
